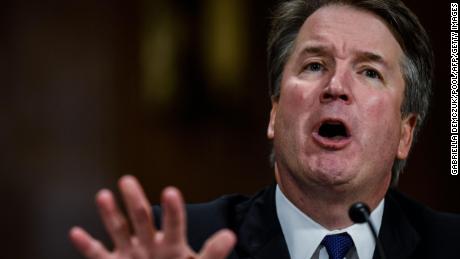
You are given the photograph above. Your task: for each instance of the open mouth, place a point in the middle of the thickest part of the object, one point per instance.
(333, 130)
(332, 134)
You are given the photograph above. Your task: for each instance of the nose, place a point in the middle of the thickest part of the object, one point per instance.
(337, 89)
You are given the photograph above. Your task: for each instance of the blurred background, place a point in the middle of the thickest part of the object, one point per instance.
(172, 91)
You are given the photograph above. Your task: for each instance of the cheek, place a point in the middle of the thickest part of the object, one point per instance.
(383, 118)
(383, 107)
(295, 107)
(375, 107)
(297, 98)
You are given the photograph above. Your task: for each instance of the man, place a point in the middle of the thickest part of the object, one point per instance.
(350, 85)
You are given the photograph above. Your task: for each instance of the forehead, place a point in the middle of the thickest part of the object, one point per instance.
(345, 30)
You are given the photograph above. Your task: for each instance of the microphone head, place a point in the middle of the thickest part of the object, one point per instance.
(359, 212)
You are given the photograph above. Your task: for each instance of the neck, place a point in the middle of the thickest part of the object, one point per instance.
(328, 205)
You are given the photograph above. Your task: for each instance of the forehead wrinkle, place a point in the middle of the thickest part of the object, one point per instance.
(320, 30)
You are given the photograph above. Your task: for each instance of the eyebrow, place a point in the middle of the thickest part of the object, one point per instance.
(363, 56)
(315, 49)
(360, 56)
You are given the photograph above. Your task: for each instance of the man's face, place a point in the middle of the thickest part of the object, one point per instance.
(337, 121)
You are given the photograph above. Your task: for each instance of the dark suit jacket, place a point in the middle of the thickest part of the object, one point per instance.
(409, 230)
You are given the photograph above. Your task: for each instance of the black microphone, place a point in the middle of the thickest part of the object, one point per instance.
(360, 213)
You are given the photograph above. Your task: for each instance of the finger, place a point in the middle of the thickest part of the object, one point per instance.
(86, 245)
(139, 209)
(174, 226)
(114, 221)
(218, 245)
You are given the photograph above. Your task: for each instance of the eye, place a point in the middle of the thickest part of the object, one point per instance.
(314, 67)
(372, 73)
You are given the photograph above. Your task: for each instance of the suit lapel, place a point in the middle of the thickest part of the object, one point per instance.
(399, 239)
(260, 234)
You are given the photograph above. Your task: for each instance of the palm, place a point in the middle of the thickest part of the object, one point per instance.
(145, 241)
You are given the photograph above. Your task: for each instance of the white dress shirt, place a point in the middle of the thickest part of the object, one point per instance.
(303, 235)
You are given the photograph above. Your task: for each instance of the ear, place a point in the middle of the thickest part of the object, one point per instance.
(271, 123)
(407, 134)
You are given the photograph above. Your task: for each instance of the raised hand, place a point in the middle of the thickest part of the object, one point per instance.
(145, 241)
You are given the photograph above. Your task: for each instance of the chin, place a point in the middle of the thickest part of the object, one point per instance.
(332, 174)
(334, 178)
(320, 169)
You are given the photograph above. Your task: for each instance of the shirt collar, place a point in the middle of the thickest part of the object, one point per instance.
(303, 235)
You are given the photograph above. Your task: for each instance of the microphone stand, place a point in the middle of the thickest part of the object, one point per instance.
(360, 213)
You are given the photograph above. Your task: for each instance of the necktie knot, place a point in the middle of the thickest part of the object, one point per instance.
(337, 245)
